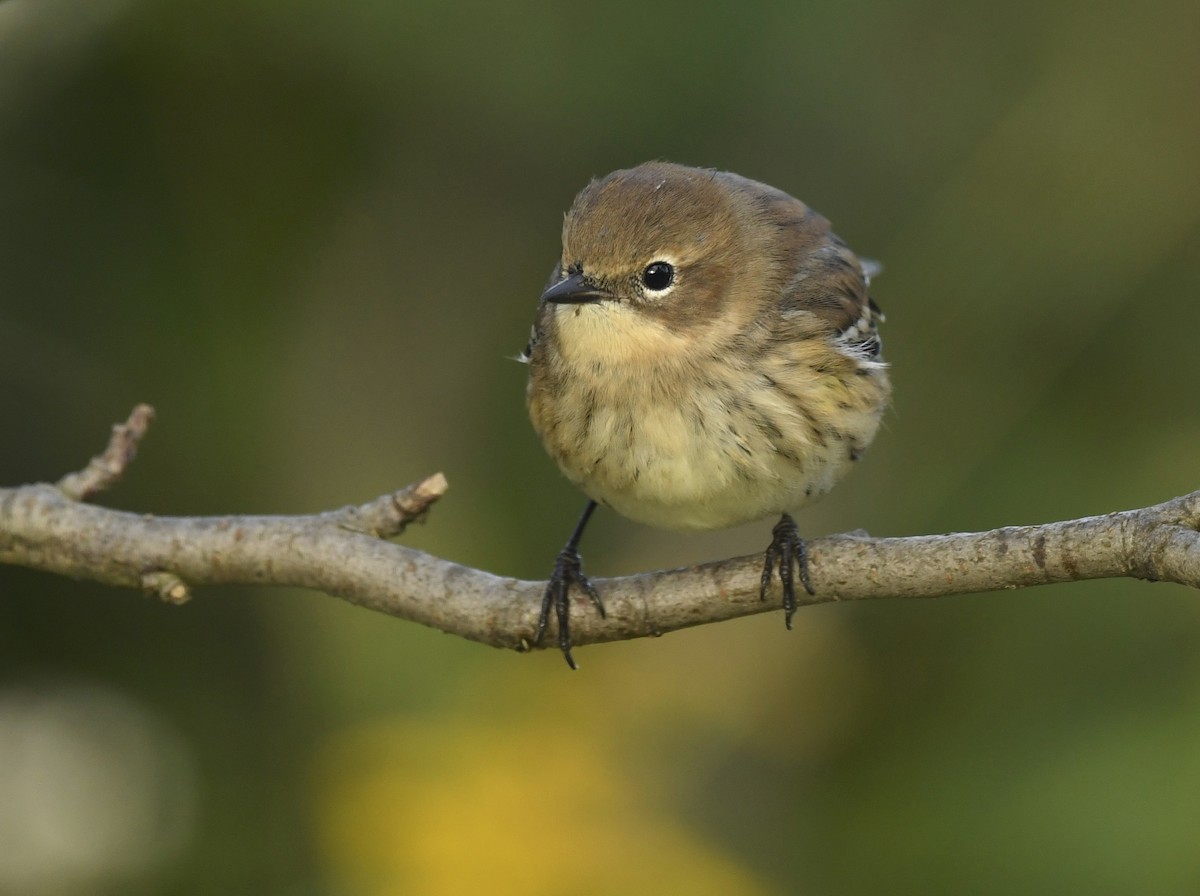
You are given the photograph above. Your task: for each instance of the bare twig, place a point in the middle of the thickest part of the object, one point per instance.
(389, 516)
(340, 552)
(106, 468)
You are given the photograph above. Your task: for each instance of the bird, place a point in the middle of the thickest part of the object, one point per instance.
(704, 354)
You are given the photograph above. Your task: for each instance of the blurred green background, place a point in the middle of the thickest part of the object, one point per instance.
(313, 234)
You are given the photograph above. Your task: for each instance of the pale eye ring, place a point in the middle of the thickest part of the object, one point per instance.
(658, 275)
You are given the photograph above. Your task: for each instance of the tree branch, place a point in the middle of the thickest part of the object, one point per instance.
(342, 552)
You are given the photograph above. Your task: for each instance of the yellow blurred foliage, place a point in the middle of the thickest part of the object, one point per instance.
(434, 808)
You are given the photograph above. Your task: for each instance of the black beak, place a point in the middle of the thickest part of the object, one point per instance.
(573, 291)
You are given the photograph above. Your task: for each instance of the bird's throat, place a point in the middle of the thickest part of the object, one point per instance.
(613, 335)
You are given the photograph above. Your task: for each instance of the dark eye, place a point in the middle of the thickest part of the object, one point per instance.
(658, 276)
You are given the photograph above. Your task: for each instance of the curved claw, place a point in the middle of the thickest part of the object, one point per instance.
(568, 571)
(788, 552)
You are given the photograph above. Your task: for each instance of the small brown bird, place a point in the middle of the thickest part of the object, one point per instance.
(705, 354)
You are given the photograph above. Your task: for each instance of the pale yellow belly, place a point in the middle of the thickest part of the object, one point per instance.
(709, 460)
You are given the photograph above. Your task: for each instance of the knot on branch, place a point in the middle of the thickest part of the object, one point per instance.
(1162, 543)
(166, 586)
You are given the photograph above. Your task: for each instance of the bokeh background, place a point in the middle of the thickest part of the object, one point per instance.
(313, 234)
